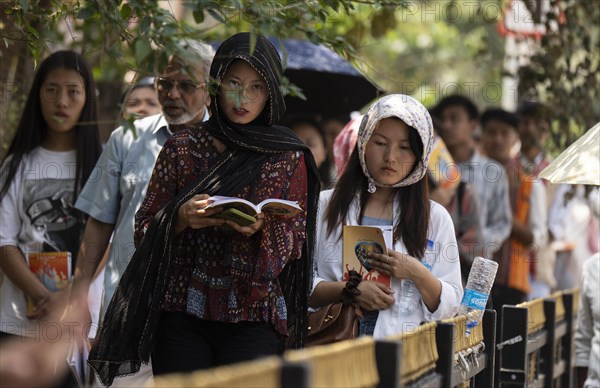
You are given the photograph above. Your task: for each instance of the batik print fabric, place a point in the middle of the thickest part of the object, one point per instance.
(219, 275)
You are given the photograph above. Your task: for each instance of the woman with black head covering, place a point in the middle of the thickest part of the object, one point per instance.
(201, 291)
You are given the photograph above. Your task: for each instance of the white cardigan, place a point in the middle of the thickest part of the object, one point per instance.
(443, 258)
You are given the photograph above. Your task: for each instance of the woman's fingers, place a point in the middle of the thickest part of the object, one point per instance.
(250, 229)
(393, 264)
(378, 257)
(384, 288)
(202, 201)
(381, 262)
(208, 212)
(195, 214)
(374, 296)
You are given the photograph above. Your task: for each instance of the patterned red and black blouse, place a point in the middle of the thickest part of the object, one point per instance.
(219, 275)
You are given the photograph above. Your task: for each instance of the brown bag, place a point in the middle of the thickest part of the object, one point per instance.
(332, 323)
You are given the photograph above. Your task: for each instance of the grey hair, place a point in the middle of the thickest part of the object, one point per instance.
(196, 53)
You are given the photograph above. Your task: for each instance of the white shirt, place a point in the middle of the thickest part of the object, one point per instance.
(538, 216)
(569, 222)
(443, 258)
(37, 215)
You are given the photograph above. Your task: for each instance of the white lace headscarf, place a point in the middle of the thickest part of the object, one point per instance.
(413, 114)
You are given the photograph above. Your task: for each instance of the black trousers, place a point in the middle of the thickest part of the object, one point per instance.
(185, 343)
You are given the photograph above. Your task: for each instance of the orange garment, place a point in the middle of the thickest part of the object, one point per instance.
(513, 257)
(533, 171)
(518, 274)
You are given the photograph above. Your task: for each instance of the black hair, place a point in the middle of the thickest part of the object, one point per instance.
(414, 206)
(33, 129)
(456, 100)
(536, 110)
(501, 115)
(343, 118)
(146, 82)
(325, 167)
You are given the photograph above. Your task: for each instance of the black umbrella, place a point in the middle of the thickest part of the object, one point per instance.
(332, 86)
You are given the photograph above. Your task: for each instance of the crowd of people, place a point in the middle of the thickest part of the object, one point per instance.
(176, 287)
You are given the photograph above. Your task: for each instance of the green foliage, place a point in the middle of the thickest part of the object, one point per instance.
(424, 48)
(565, 72)
(139, 35)
(429, 49)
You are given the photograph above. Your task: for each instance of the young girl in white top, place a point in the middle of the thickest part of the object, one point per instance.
(51, 156)
(385, 184)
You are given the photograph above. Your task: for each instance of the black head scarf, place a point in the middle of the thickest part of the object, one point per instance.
(126, 336)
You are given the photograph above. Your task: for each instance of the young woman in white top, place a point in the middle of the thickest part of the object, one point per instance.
(50, 158)
(385, 184)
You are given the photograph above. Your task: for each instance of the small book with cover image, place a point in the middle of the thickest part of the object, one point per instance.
(358, 241)
(442, 169)
(280, 207)
(52, 268)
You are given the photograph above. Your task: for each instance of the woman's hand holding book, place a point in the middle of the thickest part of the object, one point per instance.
(194, 214)
(198, 213)
(248, 230)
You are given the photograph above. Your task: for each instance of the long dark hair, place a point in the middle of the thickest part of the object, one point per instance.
(413, 223)
(325, 167)
(33, 129)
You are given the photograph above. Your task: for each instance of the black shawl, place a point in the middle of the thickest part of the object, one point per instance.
(126, 335)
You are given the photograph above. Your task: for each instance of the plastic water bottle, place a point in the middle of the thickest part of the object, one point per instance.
(409, 295)
(477, 291)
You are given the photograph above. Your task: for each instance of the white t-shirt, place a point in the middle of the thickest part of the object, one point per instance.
(37, 215)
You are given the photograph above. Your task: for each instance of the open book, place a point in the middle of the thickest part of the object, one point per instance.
(280, 207)
(52, 268)
(358, 241)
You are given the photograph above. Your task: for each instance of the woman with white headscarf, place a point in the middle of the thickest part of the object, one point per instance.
(384, 184)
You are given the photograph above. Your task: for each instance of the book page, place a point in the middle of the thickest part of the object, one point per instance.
(241, 204)
(280, 207)
(358, 241)
(276, 206)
